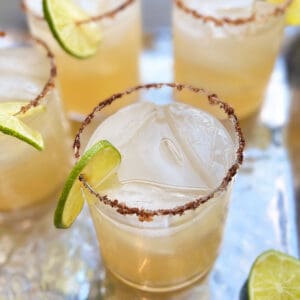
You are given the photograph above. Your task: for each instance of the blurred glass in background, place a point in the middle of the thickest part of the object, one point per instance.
(156, 14)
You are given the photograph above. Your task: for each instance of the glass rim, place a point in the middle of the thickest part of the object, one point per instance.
(279, 9)
(109, 14)
(147, 214)
(50, 82)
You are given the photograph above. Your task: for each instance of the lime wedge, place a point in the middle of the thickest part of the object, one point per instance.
(96, 164)
(63, 17)
(11, 124)
(293, 12)
(275, 276)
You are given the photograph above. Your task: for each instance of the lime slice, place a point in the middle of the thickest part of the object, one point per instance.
(293, 12)
(96, 164)
(13, 126)
(275, 276)
(79, 40)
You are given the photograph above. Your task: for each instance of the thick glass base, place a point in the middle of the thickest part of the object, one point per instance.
(199, 280)
(114, 288)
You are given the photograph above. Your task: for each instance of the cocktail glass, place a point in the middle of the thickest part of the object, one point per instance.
(229, 47)
(115, 66)
(160, 218)
(30, 179)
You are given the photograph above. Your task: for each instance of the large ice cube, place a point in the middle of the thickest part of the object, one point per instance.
(92, 7)
(170, 154)
(220, 8)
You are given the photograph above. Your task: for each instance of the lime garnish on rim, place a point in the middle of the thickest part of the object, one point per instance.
(78, 39)
(11, 124)
(96, 164)
(274, 275)
(293, 11)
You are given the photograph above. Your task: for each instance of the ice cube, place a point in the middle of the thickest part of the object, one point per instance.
(220, 8)
(169, 153)
(24, 72)
(91, 7)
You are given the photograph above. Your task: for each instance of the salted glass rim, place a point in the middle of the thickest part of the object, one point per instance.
(50, 82)
(146, 214)
(109, 14)
(279, 9)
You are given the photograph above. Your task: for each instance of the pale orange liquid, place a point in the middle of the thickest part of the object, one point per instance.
(162, 259)
(234, 63)
(29, 177)
(84, 83)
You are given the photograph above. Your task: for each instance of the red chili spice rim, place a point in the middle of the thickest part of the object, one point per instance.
(278, 10)
(110, 14)
(145, 214)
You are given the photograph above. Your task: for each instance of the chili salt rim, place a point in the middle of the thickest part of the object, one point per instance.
(50, 83)
(109, 14)
(278, 10)
(145, 214)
